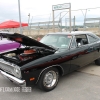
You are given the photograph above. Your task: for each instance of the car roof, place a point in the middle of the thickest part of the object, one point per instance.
(73, 33)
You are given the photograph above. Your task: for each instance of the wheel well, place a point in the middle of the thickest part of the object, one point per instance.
(60, 69)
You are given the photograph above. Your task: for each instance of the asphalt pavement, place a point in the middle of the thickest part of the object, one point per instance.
(79, 85)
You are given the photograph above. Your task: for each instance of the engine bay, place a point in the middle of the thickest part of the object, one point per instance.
(22, 56)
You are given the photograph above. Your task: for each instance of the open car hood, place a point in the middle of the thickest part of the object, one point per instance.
(24, 40)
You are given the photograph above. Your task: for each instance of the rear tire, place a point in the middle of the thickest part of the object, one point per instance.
(97, 62)
(49, 79)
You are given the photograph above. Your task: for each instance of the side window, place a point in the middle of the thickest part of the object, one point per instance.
(81, 39)
(92, 39)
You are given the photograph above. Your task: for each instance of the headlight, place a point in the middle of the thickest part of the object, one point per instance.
(17, 72)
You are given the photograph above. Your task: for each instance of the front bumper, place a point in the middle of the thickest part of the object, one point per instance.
(12, 78)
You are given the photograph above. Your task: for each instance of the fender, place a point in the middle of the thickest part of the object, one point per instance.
(62, 73)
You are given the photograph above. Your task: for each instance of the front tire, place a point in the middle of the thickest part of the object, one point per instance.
(49, 79)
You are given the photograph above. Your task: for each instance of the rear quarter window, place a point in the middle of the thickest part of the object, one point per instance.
(92, 39)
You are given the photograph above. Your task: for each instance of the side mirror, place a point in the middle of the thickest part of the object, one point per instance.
(78, 44)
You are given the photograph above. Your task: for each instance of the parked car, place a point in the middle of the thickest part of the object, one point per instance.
(43, 62)
(6, 45)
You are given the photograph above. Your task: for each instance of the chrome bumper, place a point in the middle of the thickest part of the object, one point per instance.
(14, 79)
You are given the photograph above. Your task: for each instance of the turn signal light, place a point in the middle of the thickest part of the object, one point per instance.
(31, 79)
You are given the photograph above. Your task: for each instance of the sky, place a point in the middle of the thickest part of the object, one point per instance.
(41, 10)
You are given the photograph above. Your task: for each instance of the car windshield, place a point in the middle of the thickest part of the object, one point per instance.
(57, 40)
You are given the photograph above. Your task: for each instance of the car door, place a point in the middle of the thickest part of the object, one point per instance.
(80, 53)
(94, 43)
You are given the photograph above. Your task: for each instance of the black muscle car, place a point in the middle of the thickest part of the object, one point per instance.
(43, 62)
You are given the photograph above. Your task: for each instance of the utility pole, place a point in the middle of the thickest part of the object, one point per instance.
(28, 23)
(70, 18)
(74, 23)
(19, 17)
(85, 19)
(53, 21)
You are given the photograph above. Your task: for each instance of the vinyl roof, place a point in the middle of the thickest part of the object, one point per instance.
(76, 33)
(73, 32)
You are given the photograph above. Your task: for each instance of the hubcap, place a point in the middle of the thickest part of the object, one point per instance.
(50, 79)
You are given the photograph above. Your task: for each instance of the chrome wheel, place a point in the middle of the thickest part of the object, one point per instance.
(50, 79)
